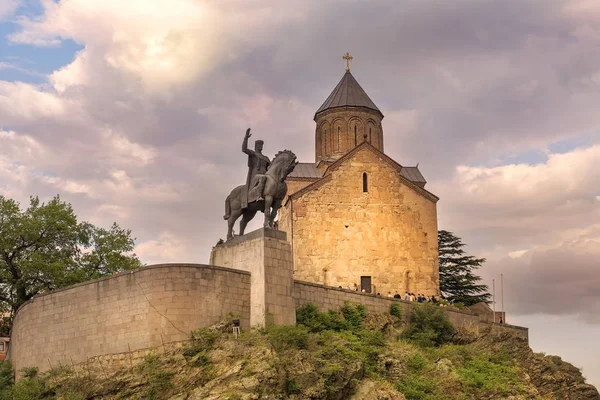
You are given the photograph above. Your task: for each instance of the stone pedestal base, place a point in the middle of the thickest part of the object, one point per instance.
(267, 255)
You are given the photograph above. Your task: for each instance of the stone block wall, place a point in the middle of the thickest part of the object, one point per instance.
(267, 255)
(135, 310)
(331, 144)
(331, 298)
(162, 304)
(340, 233)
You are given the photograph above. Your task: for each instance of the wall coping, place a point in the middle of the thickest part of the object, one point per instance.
(257, 234)
(522, 328)
(133, 272)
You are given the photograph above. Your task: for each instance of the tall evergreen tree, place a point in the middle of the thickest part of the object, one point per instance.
(458, 282)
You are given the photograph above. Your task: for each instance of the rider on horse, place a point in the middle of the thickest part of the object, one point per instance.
(257, 165)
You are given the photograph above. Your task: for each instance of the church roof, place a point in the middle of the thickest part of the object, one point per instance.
(414, 175)
(405, 172)
(348, 93)
(310, 170)
(306, 170)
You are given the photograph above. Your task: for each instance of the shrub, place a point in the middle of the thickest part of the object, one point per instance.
(316, 321)
(159, 380)
(288, 337)
(414, 387)
(27, 389)
(429, 326)
(481, 374)
(7, 379)
(201, 360)
(417, 363)
(396, 310)
(29, 372)
(292, 387)
(203, 340)
(354, 314)
(350, 317)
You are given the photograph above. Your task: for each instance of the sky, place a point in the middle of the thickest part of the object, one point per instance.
(134, 111)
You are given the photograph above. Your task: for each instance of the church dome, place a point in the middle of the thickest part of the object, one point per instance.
(347, 93)
(347, 118)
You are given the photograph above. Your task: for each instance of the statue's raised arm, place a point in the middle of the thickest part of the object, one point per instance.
(245, 143)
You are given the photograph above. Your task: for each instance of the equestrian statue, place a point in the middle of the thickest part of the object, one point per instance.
(264, 190)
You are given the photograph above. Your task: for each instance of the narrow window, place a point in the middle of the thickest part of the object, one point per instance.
(355, 135)
(339, 140)
(365, 184)
(369, 135)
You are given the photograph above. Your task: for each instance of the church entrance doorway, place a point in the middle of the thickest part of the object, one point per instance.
(365, 284)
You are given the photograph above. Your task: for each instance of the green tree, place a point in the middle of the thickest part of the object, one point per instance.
(44, 248)
(458, 281)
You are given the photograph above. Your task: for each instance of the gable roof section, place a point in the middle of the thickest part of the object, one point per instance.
(306, 170)
(414, 175)
(365, 145)
(348, 93)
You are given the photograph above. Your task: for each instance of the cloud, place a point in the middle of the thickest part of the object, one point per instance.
(167, 248)
(559, 280)
(513, 206)
(144, 125)
(21, 101)
(7, 8)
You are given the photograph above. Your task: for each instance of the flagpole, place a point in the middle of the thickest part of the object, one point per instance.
(502, 297)
(494, 297)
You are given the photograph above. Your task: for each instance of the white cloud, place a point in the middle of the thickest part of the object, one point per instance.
(167, 248)
(23, 101)
(523, 205)
(129, 151)
(7, 8)
(163, 44)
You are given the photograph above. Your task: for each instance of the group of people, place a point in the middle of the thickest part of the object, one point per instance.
(408, 296)
(419, 298)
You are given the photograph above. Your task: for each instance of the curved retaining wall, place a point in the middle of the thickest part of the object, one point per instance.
(131, 311)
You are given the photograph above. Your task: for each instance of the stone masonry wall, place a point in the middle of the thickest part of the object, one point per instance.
(327, 142)
(135, 310)
(267, 255)
(340, 233)
(331, 298)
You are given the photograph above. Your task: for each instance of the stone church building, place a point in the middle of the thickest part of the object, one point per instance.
(355, 216)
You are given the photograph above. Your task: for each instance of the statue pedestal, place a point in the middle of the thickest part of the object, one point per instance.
(267, 255)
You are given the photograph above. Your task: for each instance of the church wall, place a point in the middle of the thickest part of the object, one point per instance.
(132, 311)
(345, 119)
(295, 184)
(389, 233)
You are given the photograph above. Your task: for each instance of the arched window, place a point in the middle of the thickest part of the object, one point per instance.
(339, 140)
(365, 183)
(355, 134)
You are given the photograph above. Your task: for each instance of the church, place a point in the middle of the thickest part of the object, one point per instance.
(356, 218)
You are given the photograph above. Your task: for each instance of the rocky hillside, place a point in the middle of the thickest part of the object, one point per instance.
(345, 355)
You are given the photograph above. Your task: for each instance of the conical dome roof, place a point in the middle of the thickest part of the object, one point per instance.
(348, 93)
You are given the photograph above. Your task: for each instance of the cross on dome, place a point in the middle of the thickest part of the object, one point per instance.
(347, 57)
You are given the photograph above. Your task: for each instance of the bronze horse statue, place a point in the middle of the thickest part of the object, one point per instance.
(247, 202)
